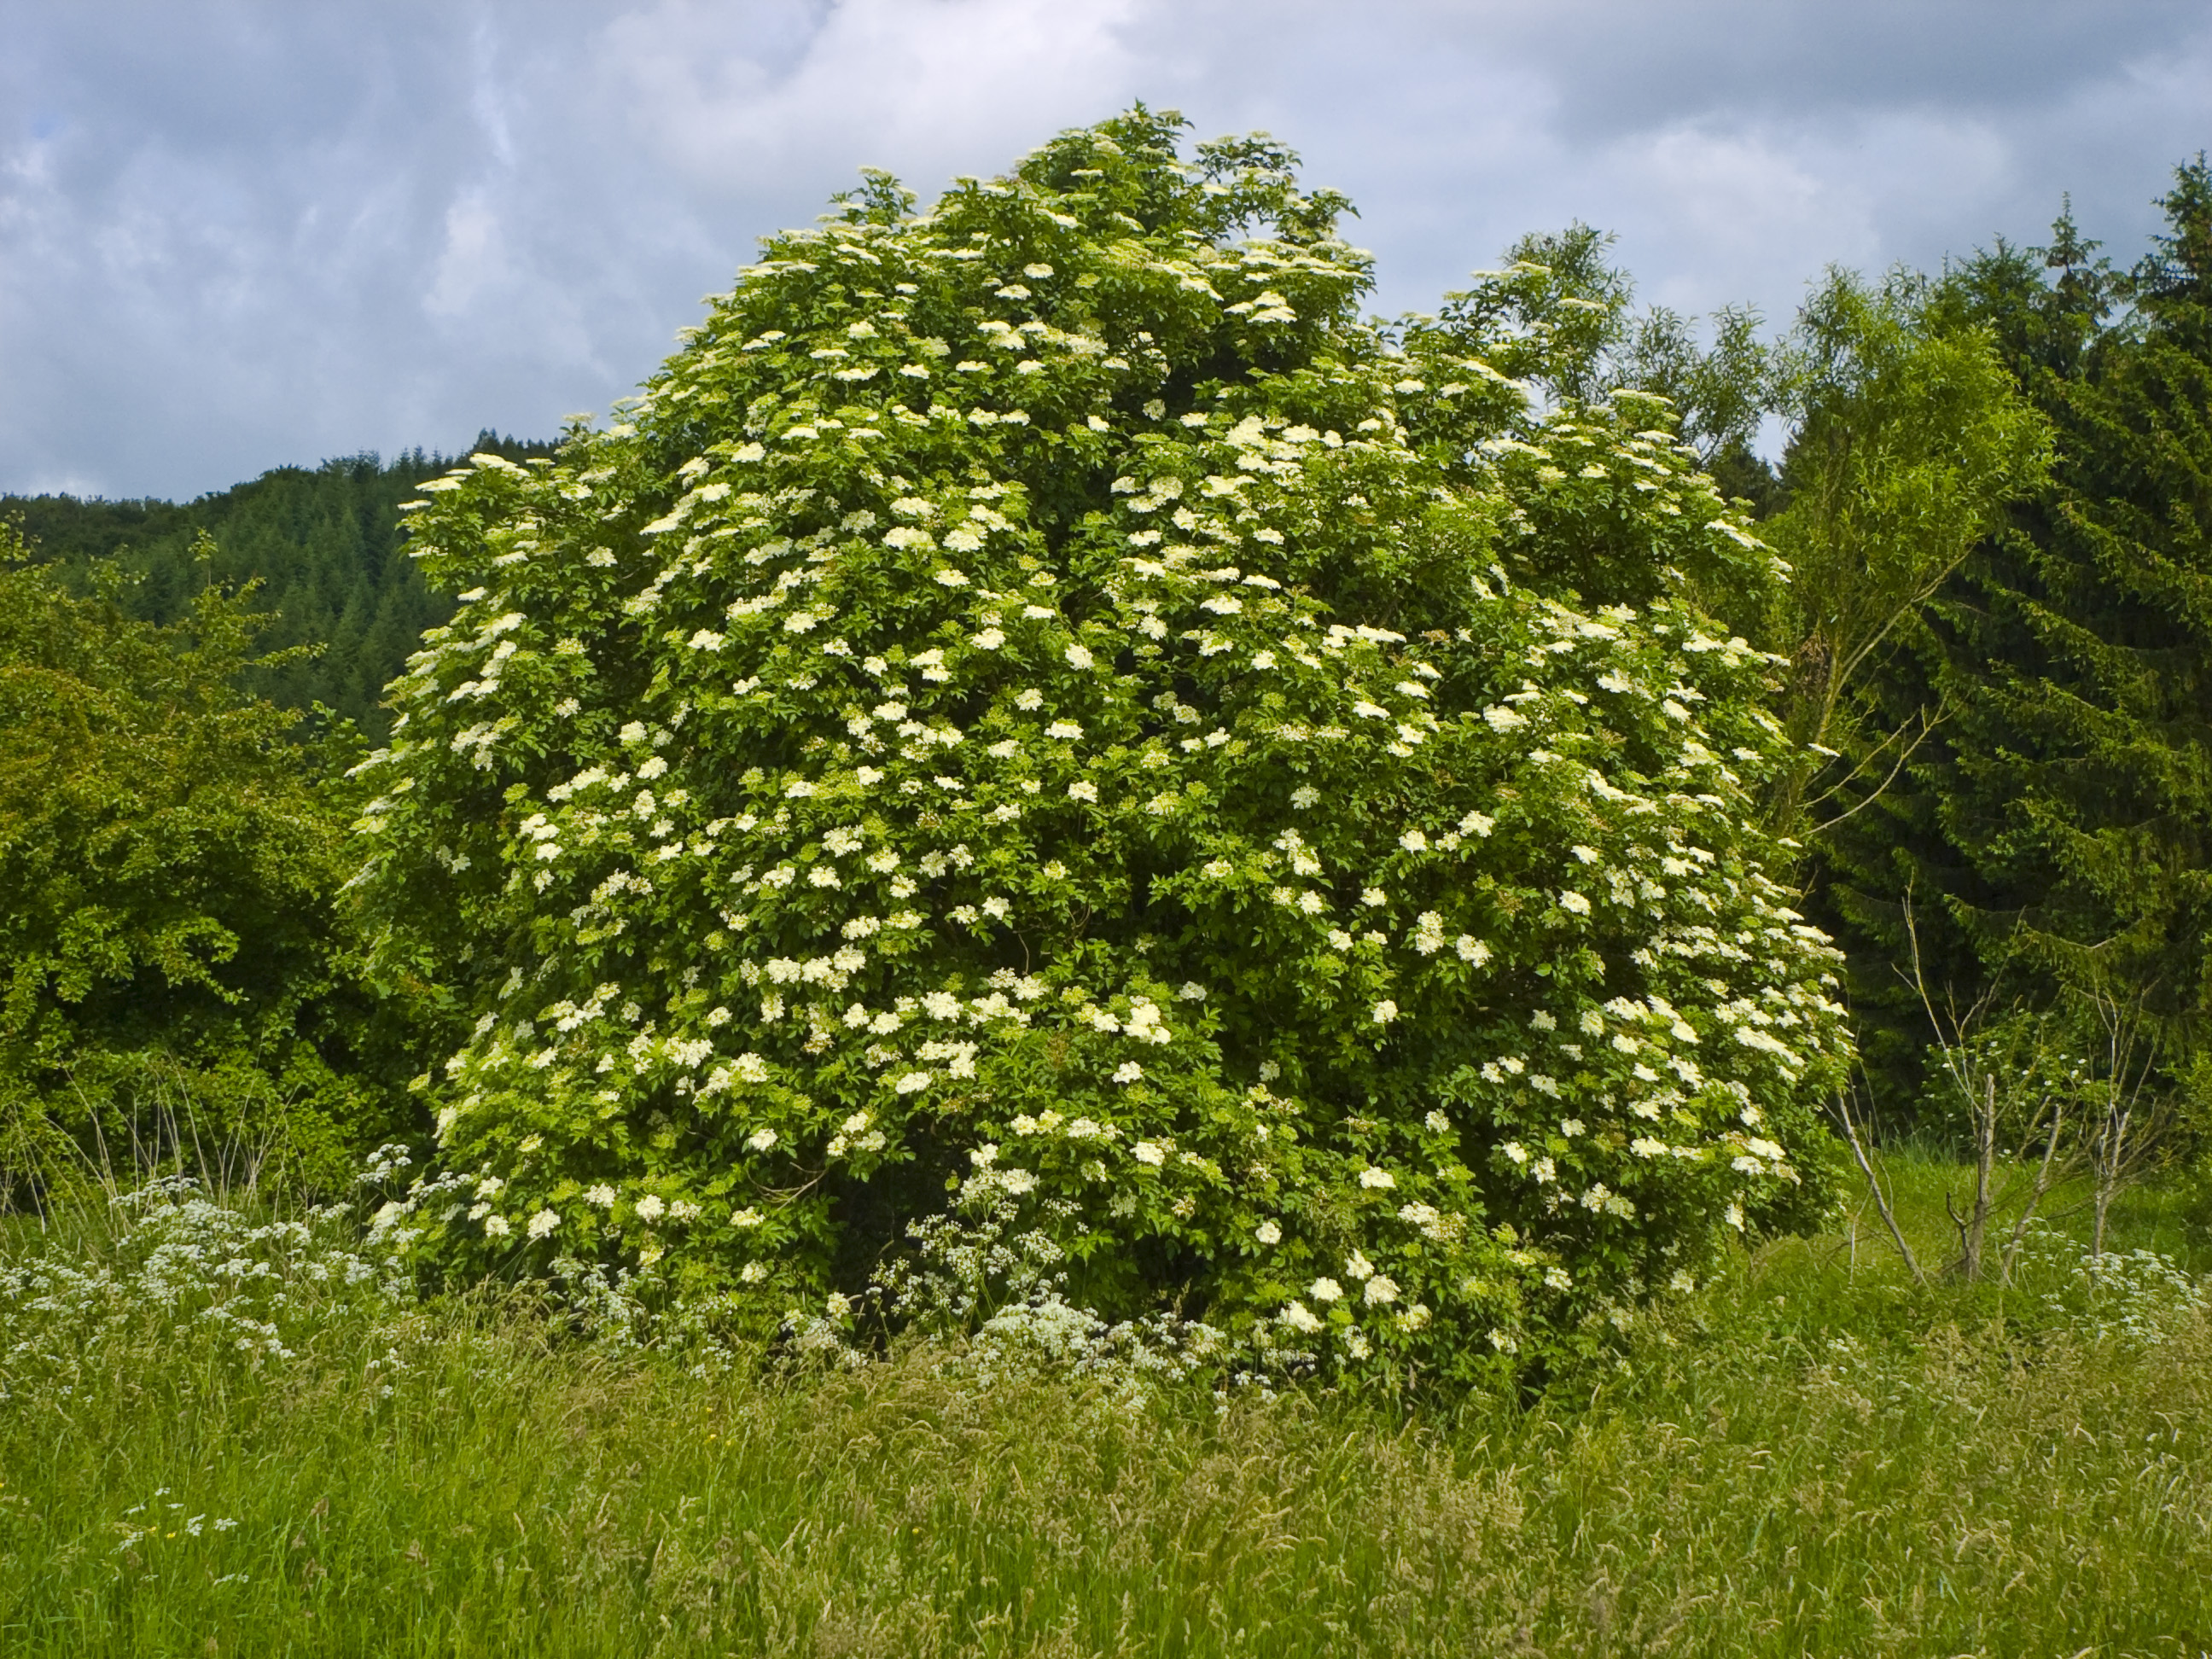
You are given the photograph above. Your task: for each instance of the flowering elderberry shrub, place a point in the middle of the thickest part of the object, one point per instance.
(1038, 702)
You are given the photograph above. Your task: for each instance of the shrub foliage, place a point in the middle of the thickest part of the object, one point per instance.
(180, 972)
(1039, 704)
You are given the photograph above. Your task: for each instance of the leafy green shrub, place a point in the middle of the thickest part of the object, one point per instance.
(1038, 701)
(179, 969)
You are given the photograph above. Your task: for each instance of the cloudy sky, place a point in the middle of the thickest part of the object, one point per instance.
(237, 236)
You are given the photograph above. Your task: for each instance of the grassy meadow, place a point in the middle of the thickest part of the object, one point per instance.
(1811, 1457)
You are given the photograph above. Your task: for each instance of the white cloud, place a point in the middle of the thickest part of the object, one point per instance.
(471, 260)
(237, 237)
(935, 86)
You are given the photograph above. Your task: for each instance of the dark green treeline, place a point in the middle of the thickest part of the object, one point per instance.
(325, 544)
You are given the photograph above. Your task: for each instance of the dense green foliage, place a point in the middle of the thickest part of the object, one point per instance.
(1040, 702)
(324, 545)
(1912, 441)
(177, 967)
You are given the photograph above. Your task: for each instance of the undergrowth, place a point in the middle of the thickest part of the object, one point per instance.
(227, 1431)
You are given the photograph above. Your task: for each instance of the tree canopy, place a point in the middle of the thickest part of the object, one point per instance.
(2053, 831)
(177, 963)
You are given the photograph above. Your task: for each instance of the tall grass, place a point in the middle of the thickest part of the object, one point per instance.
(1812, 1456)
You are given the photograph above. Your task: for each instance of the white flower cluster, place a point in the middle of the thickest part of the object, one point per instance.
(181, 1260)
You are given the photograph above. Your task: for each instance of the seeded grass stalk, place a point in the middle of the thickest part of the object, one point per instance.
(1813, 1456)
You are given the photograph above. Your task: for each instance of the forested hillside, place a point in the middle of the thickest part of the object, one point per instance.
(324, 543)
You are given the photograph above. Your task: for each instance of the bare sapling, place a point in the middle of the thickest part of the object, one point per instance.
(2129, 1115)
(2042, 1144)
(1860, 1141)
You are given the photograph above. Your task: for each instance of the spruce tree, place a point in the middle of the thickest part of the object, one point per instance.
(2055, 829)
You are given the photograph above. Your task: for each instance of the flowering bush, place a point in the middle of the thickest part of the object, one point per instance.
(1038, 702)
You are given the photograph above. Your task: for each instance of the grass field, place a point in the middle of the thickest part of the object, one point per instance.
(1813, 1456)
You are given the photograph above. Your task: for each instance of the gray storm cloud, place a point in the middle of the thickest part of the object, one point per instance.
(237, 236)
